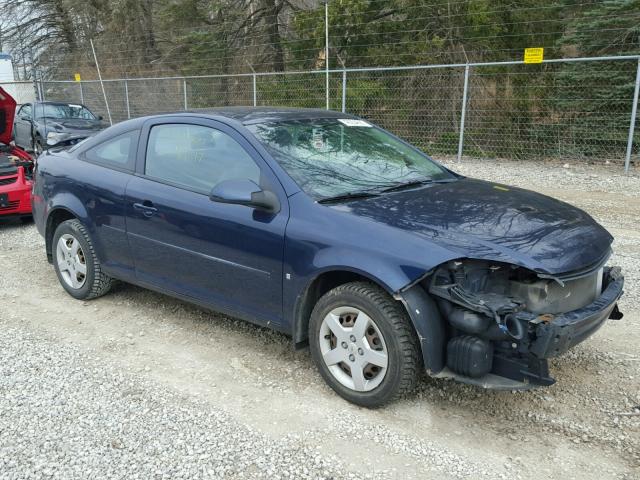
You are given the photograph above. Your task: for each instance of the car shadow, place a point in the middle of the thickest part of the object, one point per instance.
(15, 222)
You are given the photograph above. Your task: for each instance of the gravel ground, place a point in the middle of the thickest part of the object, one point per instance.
(66, 415)
(139, 385)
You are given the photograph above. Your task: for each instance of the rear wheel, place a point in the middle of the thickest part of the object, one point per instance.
(76, 264)
(363, 344)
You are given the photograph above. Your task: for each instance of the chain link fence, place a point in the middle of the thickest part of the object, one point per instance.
(22, 92)
(573, 109)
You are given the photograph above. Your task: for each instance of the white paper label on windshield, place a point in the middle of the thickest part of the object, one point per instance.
(73, 105)
(352, 122)
(318, 139)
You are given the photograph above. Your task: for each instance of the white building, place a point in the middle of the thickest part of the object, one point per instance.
(6, 68)
(23, 92)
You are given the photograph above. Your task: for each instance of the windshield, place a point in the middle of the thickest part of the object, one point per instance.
(62, 111)
(335, 157)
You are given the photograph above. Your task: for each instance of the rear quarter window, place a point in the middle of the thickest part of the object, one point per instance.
(116, 152)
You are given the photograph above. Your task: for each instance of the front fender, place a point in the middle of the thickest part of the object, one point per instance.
(429, 325)
(301, 289)
(320, 239)
(390, 272)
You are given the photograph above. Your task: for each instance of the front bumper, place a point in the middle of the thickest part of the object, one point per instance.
(554, 335)
(523, 363)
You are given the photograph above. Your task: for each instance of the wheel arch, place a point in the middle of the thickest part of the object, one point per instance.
(320, 284)
(428, 323)
(55, 217)
(420, 307)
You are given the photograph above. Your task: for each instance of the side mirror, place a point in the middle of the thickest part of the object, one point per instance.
(245, 192)
(100, 117)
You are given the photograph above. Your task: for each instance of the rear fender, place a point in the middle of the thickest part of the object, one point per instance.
(71, 206)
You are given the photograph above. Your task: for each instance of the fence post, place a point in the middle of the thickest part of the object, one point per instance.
(81, 92)
(184, 89)
(126, 97)
(344, 91)
(326, 49)
(255, 91)
(104, 92)
(464, 111)
(632, 126)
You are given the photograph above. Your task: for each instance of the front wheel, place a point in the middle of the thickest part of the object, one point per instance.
(76, 264)
(37, 146)
(364, 344)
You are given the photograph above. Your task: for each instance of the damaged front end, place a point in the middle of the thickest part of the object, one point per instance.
(501, 322)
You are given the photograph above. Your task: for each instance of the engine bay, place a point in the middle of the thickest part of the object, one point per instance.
(507, 320)
(10, 162)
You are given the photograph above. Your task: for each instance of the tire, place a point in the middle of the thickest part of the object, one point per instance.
(69, 263)
(37, 147)
(386, 330)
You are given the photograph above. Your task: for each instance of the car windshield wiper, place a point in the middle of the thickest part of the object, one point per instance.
(406, 185)
(414, 184)
(347, 196)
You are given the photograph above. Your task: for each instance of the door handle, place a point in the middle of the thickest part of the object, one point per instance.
(146, 208)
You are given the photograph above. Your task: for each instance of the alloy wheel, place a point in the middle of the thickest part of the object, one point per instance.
(71, 261)
(353, 348)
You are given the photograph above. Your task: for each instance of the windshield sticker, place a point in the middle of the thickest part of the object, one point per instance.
(351, 122)
(318, 139)
(75, 106)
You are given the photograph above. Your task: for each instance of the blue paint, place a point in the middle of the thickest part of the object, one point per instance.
(257, 265)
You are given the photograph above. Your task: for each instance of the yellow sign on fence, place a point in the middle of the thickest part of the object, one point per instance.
(533, 55)
(77, 77)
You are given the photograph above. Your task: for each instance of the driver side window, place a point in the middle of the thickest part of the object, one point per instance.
(25, 112)
(197, 157)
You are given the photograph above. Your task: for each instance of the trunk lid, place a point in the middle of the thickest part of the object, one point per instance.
(7, 112)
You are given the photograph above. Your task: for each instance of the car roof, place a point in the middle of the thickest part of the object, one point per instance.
(47, 102)
(249, 115)
(243, 115)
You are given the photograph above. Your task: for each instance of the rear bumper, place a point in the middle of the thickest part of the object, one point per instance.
(554, 335)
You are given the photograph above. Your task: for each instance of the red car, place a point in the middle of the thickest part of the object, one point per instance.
(16, 167)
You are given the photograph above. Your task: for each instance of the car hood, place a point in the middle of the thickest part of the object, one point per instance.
(70, 124)
(7, 112)
(478, 219)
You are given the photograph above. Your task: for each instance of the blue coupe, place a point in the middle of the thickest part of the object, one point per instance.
(330, 229)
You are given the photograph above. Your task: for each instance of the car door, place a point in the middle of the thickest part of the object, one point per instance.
(100, 181)
(226, 256)
(23, 126)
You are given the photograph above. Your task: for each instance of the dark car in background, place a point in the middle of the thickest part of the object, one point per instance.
(321, 225)
(16, 167)
(43, 124)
